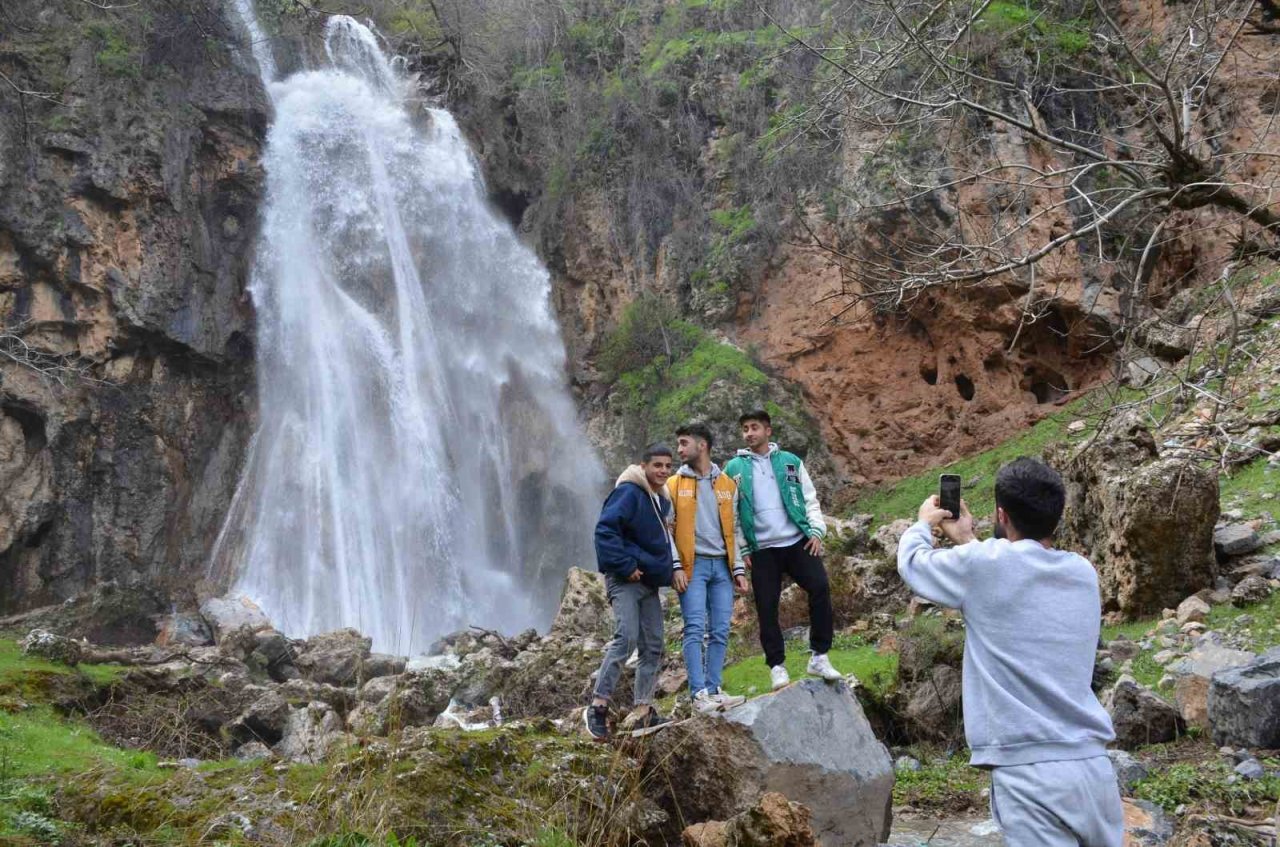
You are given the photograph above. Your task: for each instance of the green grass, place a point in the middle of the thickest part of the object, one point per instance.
(942, 782)
(877, 672)
(902, 499)
(37, 742)
(29, 677)
(1205, 784)
(1244, 487)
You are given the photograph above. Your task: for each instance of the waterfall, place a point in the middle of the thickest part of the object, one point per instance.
(418, 466)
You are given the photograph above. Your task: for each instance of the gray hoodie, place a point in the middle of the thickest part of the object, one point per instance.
(1031, 619)
(708, 537)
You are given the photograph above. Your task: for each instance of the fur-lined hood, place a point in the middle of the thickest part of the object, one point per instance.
(635, 474)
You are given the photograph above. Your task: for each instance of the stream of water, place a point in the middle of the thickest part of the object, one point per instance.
(418, 466)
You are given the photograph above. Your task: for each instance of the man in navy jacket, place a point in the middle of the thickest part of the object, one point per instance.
(633, 551)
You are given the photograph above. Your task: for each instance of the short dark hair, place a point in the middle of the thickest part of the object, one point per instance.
(655, 449)
(1032, 495)
(697, 430)
(756, 415)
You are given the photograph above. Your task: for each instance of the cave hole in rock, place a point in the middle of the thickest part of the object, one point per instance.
(511, 203)
(1046, 384)
(31, 421)
(993, 361)
(929, 374)
(965, 386)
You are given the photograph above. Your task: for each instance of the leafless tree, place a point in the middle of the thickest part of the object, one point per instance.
(1060, 137)
(60, 368)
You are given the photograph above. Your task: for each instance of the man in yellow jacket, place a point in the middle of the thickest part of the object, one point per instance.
(709, 549)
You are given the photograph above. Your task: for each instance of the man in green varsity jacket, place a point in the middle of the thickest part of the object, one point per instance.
(783, 527)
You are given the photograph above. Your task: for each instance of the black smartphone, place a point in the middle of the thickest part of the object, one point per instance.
(949, 493)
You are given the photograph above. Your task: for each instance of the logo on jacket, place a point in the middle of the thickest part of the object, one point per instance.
(793, 474)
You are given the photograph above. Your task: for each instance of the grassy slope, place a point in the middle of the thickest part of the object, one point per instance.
(874, 670)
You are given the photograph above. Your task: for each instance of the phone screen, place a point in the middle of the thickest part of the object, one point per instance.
(949, 493)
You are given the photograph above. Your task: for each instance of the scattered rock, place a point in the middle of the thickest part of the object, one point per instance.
(52, 647)
(1194, 609)
(1236, 539)
(1129, 771)
(933, 709)
(1191, 675)
(906, 764)
(225, 615)
(725, 763)
(1145, 824)
(1244, 703)
(337, 658)
(1146, 522)
(1122, 649)
(1250, 769)
(253, 751)
(888, 535)
(1139, 716)
(1251, 589)
(183, 630)
(1142, 370)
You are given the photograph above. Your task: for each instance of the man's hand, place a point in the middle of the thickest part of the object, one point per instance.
(746, 560)
(813, 546)
(635, 576)
(960, 530)
(740, 583)
(679, 581)
(931, 513)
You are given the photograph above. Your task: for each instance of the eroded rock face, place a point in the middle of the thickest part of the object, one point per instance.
(1144, 521)
(1139, 716)
(127, 210)
(1244, 703)
(725, 763)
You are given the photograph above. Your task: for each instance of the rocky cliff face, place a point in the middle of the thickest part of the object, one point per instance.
(129, 183)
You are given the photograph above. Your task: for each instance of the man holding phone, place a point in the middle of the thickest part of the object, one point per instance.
(783, 528)
(633, 551)
(1032, 616)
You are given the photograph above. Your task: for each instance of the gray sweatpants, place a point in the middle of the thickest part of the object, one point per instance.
(637, 608)
(1058, 804)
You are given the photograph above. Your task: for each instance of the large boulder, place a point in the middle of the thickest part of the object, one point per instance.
(1193, 672)
(1144, 521)
(411, 699)
(1237, 539)
(225, 615)
(310, 733)
(584, 606)
(1139, 716)
(1244, 703)
(337, 657)
(810, 742)
(264, 720)
(52, 647)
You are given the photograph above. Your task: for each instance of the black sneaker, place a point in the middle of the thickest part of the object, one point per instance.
(651, 722)
(597, 720)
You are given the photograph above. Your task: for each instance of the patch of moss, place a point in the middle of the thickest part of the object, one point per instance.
(942, 782)
(115, 55)
(37, 680)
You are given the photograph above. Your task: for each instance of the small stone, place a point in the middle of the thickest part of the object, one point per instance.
(906, 764)
(1166, 683)
(1250, 590)
(1192, 628)
(1250, 769)
(1237, 539)
(1164, 657)
(1192, 609)
(1243, 621)
(1166, 614)
(1129, 770)
(253, 751)
(1076, 427)
(1122, 649)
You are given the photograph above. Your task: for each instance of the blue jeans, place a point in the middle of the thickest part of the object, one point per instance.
(709, 595)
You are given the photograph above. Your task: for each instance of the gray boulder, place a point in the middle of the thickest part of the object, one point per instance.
(337, 658)
(1129, 771)
(1244, 703)
(264, 720)
(228, 614)
(810, 742)
(584, 606)
(1192, 673)
(310, 733)
(1141, 717)
(1236, 539)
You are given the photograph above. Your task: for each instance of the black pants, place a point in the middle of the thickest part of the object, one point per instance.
(767, 569)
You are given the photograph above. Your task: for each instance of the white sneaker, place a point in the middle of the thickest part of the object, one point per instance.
(728, 701)
(704, 701)
(633, 661)
(820, 665)
(778, 676)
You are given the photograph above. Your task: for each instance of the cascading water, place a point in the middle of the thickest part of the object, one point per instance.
(418, 466)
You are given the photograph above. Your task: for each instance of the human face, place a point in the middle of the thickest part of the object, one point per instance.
(657, 470)
(756, 434)
(690, 449)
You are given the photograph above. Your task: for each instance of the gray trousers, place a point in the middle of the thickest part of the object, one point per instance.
(1058, 804)
(637, 608)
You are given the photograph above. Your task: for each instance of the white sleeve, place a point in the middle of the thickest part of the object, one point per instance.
(940, 575)
(739, 540)
(812, 508)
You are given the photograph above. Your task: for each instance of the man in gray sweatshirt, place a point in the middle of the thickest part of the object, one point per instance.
(1032, 617)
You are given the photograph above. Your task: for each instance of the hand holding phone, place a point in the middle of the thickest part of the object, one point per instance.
(949, 494)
